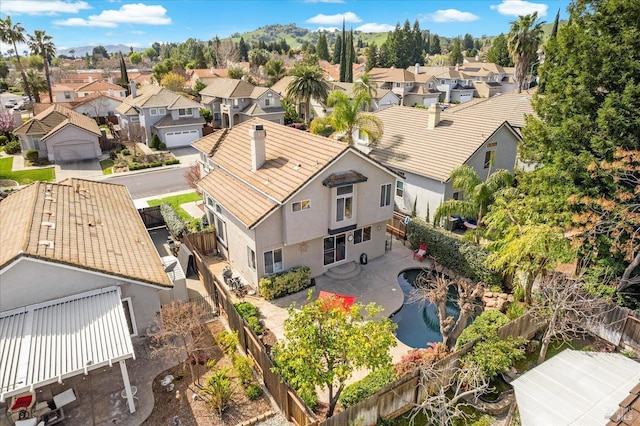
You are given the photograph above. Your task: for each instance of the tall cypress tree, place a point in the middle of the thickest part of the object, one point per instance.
(349, 59)
(322, 50)
(554, 30)
(337, 50)
(343, 55)
(124, 77)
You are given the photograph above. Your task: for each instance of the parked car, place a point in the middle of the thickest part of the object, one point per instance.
(10, 103)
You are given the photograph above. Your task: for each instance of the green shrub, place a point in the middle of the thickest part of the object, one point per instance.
(32, 155)
(364, 388)
(515, 310)
(253, 392)
(465, 258)
(12, 147)
(228, 341)
(487, 323)
(156, 164)
(126, 152)
(219, 390)
(3, 140)
(250, 313)
(495, 355)
(173, 161)
(139, 166)
(162, 146)
(175, 224)
(243, 365)
(281, 284)
(155, 142)
(255, 326)
(518, 294)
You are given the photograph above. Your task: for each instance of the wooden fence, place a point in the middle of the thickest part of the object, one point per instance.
(204, 242)
(617, 325)
(219, 300)
(151, 216)
(408, 391)
(397, 226)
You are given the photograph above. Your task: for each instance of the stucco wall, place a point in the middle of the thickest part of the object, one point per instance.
(71, 134)
(30, 281)
(99, 107)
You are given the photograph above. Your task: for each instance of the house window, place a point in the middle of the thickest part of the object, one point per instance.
(344, 210)
(135, 119)
(235, 103)
(362, 235)
(335, 249)
(67, 95)
(301, 205)
(267, 102)
(399, 188)
(216, 116)
(430, 85)
(37, 144)
(489, 159)
(251, 258)
(273, 261)
(162, 111)
(127, 306)
(153, 111)
(183, 112)
(385, 195)
(456, 196)
(397, 84)
(221, 230)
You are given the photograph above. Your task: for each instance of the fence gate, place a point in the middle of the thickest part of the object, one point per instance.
(151, 217)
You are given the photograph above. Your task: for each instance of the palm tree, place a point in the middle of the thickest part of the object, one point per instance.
(13, 34)
(37, 83)
(307, 83)
(523, 41)
(348, 115)
(275, 71)
(364, 84)
(477, 195)
(42, 44)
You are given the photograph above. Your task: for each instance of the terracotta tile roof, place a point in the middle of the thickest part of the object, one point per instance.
(99, 86)
(126, 109)
(208, 143)
(227, 88)
(208, 72)
(628, 413)
(53, 119)
(407, 144)
(87, 224)
(391, 74)
(93, 96)
(293, 157)
(151, 96)
(281, 85)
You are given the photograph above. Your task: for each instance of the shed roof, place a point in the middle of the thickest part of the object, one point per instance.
(48, 342)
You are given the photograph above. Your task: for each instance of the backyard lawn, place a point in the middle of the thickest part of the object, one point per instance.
(176, 201)
(24, 177)
(107, 166)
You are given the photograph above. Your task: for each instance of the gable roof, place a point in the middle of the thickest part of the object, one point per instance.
(408, 145)
(227, 88)
(391, 74)
(86, 224)
(55, 118)
(100, 86)
(152, 96)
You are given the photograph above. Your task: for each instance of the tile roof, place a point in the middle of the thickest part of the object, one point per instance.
(293, 157)
(391, 74)
(208, 143)
(281, 85)
(152, 96)
(99, 86)
(53, 119)
(167, 121)
(87, 224)
(227, 88)
(628, 412)
(407, 144)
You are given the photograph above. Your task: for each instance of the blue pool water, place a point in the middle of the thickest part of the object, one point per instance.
(418, 321)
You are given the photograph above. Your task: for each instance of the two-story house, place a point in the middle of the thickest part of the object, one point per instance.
(154, 110)
(234, 101)
(426, 145)
(281, 198)
(60, 134)
(413, 89)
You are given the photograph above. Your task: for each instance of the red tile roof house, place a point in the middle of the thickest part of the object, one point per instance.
(60, 134)
(281, 198)
(79, 278)
(153, 110)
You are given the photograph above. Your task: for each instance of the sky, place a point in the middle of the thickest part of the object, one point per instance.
(75, 23)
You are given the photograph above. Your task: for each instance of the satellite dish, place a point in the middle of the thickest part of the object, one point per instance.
(171, 266)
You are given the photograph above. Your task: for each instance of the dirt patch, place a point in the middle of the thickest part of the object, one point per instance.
(183, 402)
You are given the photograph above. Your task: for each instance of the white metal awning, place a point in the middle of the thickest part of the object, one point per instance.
(50, 341)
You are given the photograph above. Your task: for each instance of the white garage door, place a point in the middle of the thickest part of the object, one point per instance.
(183, 138)
(74, 152)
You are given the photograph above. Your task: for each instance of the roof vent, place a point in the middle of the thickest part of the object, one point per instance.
(50, 212)
(297, 166)
(51, 225)
(47, 243)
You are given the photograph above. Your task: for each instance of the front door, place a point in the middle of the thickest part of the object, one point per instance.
(335, 249)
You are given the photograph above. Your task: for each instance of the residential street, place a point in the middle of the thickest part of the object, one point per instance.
(152, 183)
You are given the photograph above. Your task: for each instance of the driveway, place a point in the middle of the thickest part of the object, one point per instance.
(83, 169)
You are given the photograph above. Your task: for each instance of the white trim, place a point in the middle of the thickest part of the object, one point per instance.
(132, 314)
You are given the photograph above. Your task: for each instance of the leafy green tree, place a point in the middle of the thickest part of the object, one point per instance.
(198, 86)
(150, 53)
(243, 50)
(35, 61)
(11, 33)
(307, 83)
(322, 49)
(173, 82)
(236, 72)
(290, 113)
(372, 56)
(523, 41)
(4, 69)
(499, 53)
(100, 52)
(434, 45)
(324, 344)
(135, 58)
(455, 56)
(258, 58)
(206, 114)
(484, 324)
(477, 195)
(556, 23)
(348, 116)
(467, 43)
(337, 50)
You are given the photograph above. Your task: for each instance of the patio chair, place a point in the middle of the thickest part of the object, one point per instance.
(21, 405)
(421, 252)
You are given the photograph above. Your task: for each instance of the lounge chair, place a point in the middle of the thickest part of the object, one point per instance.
(421, 252)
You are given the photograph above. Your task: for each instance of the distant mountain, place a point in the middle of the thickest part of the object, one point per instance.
(111, 48)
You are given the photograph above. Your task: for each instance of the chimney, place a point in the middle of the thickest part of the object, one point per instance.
(132, 85)
(258, 150)
(417, 68)
(90, 79)
(434, 116)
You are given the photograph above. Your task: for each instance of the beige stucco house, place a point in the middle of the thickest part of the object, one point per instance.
(60, 134)
(426, 145)
(281, 198)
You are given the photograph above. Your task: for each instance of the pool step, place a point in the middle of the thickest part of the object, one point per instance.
(344, 272)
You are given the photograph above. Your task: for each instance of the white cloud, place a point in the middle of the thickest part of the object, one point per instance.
(452, 15)
(334, 19)
(140, 14)
(519, 8)
(375, 28)
(31, 7)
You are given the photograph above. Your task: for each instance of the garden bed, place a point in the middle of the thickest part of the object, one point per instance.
(132, 158)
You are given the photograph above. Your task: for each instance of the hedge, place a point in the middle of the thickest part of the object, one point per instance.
(283, 283)
(364, 388)
(467, 259)
(172, 219)
(250, 313)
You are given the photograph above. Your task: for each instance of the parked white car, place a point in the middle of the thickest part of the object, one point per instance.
(10, 103)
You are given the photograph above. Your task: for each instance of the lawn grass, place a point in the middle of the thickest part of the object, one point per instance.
(176, 200)
(25, 177)
(107, 166)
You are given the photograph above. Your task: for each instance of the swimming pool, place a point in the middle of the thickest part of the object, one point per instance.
(418, 322)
